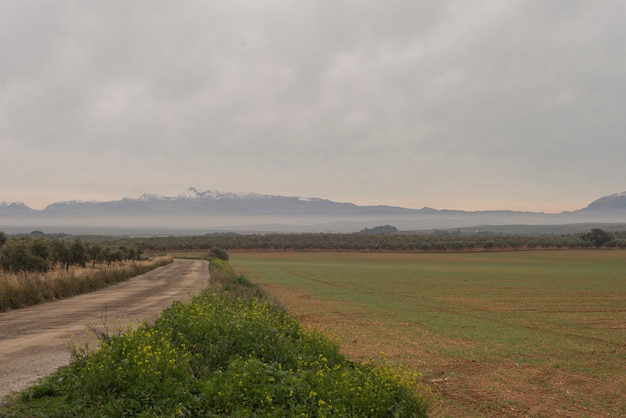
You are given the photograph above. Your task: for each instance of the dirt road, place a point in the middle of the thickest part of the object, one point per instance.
(35, 341)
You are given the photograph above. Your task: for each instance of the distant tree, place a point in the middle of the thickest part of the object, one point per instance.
(115, 254)
(124, 250)
(105, 256)
(61, 253)
(40, 248)
(598, 237)
(3, 238)
(94, 251)
(132, 253)
(79, 253)
(17, 255)
(13, 256)
(385, 229)
(489, 244)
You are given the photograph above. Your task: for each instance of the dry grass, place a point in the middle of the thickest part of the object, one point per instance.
(18, 290)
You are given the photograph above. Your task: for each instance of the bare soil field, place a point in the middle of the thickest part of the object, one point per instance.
(36, 341)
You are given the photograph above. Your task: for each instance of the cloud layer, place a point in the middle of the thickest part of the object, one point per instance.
(458, 104)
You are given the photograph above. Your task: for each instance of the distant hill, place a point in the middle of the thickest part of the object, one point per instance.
(214, 210)
(614, 202)
(14, 208)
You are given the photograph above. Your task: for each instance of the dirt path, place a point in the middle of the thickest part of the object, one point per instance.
(35, 341)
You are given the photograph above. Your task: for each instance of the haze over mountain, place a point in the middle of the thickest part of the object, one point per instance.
(213, 210)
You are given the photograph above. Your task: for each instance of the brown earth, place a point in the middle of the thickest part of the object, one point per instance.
(461, 388)
(36, 341)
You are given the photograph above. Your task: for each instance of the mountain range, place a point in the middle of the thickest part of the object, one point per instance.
(213, 210)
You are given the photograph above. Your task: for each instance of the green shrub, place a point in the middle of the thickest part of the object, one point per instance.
(218, 253)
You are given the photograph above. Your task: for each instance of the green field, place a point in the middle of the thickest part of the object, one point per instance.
(539, 333)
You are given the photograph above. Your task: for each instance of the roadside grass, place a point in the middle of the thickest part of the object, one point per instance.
(534, 333)
(227, 352)
(18, 290)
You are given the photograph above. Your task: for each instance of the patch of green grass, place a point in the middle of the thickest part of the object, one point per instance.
(512, 311)
(227, 352)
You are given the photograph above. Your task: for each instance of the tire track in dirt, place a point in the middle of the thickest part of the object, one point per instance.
(36, 341)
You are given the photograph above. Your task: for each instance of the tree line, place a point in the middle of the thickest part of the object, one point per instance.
(39, 254)
(435, 242)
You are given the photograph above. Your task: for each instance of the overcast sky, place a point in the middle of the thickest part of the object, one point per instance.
(465, 104)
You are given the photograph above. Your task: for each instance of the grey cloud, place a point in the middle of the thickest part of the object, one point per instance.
(352, 94)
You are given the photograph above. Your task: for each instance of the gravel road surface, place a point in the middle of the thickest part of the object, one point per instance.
(36, 341)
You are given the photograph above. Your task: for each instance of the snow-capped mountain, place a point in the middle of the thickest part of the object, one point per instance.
(147, 197)
(194, 194)
(14, 207)
(194, 208)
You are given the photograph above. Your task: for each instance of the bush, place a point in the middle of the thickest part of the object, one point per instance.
(218, 253)
(20, 255)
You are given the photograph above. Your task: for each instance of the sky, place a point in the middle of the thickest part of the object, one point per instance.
(469, 104)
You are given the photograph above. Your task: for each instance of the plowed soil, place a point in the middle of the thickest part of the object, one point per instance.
(36, 341)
